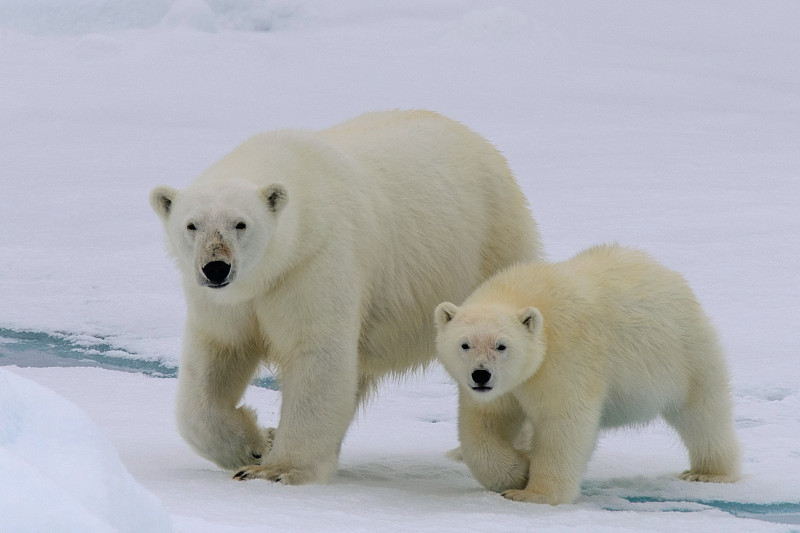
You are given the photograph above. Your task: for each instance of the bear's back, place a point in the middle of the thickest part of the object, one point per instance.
(602, 293)
(608, 271)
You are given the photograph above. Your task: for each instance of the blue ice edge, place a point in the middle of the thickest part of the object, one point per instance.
(38, 349)
(781, 512)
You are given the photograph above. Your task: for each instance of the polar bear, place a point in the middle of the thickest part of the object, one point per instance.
(321, 254)
(605, 339)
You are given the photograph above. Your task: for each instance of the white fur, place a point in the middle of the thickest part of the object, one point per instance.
(339, 243)
(606, 339)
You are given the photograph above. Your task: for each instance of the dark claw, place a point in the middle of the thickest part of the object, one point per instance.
(241, 475)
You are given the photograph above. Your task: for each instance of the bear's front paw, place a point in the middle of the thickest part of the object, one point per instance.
(278, 474)
(692, 475)
(521, 495)
(254, 456)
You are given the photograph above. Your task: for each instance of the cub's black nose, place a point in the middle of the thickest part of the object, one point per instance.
(481, 377)
(216, 271)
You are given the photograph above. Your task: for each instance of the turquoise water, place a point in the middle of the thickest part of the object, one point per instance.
(36, 349)
(782, 512)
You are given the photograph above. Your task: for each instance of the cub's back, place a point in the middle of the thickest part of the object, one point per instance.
(603, 293)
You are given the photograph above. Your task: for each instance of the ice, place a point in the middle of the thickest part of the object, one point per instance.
(669, 126)
(59, 472)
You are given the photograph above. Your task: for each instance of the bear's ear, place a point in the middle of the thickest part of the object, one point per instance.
(532, 319)
(444, 313)
(161, 199)
(275, 196)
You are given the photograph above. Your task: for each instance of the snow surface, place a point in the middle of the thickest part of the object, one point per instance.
(674, 126)
(59, 470)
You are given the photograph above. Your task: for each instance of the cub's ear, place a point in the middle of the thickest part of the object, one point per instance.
(275, 196)
(444, 313)
(161, 199)
(532, 319)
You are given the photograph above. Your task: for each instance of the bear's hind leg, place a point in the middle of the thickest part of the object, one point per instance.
(705, 424)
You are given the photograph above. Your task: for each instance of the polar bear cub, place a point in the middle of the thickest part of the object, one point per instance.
(605, 339)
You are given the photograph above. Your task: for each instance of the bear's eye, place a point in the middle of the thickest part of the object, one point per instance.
(241, 225)
(465, 346)
(501, 347)
(191, 227)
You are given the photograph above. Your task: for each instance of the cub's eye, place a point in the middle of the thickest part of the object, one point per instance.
(191, 227)
(241, 225)
(465, 346)
(501, 347)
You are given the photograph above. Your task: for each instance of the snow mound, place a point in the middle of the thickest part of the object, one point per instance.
(65, 474)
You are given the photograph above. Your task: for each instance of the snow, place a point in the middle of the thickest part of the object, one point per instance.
(59, 469)
(670, 126)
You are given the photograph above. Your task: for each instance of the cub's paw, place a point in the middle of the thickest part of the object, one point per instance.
(278, 474)
(521, 495)
(692, 475)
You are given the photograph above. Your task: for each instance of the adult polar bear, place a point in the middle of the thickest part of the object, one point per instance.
(322, 254)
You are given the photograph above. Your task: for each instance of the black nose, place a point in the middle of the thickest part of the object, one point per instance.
(481, 377)
(216, 271)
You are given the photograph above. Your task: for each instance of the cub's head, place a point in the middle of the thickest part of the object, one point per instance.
(489, 350)
(219, 232)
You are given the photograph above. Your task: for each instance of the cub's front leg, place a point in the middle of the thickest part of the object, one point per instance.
(560, 450)
(211, 382)
(488, 431)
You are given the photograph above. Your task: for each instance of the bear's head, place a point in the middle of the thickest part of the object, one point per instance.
(219, 231)
(489, 349)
